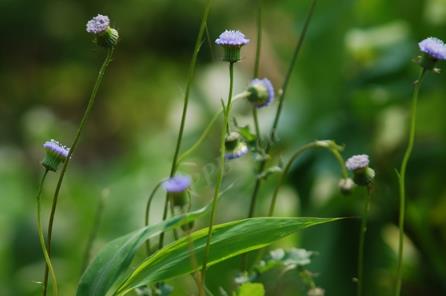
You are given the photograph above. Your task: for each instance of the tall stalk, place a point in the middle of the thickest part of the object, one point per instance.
(402, 178)
(280, 106)
(227, 110)
(191, 75)
(362, 232)
(73, 147)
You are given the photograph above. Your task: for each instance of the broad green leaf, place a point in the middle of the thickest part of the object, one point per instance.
(228, 240)
(114, 259)
(251, 289)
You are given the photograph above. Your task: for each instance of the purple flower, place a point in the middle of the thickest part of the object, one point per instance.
(357, 162)
(99, 24)
(261, 92)
(240, 149)
(232, 38)
(433, 47)
(177, 184)
(56, 149)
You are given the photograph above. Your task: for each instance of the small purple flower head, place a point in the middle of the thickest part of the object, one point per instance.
(177, 184)
(99, 24)
(239, 150)
(357, 162)
(434, 47)
(261, 92)
(232, 38)
(55, 153)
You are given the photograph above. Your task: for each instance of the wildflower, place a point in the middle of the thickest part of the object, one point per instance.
(235, 147)
(176, 188)
(434, 50)
(232, 41)
(346, 185)
(105, 35)
(261, 92)
(55, 153)
(359, 165)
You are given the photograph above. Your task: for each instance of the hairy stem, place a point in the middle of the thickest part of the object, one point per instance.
(219, 174)
(402, 178)
(192, 68)
(73, 147)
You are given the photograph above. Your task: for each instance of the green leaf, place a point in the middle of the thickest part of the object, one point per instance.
(228, 240)
(251, 289)
(115, 258)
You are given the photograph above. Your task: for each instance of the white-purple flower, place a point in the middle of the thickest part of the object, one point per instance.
(261, 92)
(239, 150)
(99, 24)
(357, 162)
(232, 38)
(56, 149)
(177, 184)
(434, 47)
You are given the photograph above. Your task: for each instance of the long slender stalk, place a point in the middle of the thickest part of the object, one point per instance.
(362, 232)
(73, 147)
(147, 214)
(42, 239)
(219, 174)
(297, 50)
(402, 178)
(191, 75)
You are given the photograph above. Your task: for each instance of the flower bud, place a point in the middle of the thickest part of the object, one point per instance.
(316, 292)
(55, 153)
(433, 50)
(346, 185)
(176, 188)
(231, 41)
(359, 165)
(261, 92)
(105, 35)
(234, 146)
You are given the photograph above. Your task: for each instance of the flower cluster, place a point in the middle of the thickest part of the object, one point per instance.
(177, 187)
(105, 35)
(232, 41)
(55, 153)
(362, 174)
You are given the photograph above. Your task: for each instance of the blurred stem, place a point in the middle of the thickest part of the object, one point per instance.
(83, 122)
(93, 233)
(191, 75)
(294, 157)
(402, 178)
(147, 214)
(227, 111)
(259, 38)
(42, 239)
(207, 130)
(297, 50)
(362, 233)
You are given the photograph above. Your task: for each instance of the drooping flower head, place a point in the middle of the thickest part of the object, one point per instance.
(176, 187)
(55, 153)
(235, 147)
(434, 47)
(232, 41)
(357, 162)
(261, 92)
(177, 184)
(105, 35)
(363, 175)
(98, 24)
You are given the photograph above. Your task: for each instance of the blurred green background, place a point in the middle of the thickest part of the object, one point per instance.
(352, 83)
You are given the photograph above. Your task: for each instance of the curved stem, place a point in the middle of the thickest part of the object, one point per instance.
(362, 233)
(85, 117)
(147, 214)
(42, 239)
(297, 50)
(219, 175)
(402, 178)
(190, 78)
(207, 130)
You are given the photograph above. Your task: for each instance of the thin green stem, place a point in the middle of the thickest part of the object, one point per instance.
(191, 75)
(259, 38)
(83, 122)
(362, 232)
(147, 214)
(219, 174)
(402, 178)
(297, 50)
(42, 239)
(207, 130)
